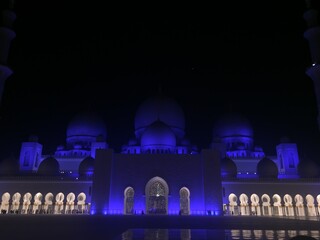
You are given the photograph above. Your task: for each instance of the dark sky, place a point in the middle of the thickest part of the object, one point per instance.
(69, 57)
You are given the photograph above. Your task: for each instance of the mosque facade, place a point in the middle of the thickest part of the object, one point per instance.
(160, 171)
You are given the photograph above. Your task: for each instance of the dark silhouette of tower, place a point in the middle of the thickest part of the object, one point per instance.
(6, 36)
(312, 34)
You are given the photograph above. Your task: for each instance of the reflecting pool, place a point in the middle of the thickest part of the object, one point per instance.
(203, 234)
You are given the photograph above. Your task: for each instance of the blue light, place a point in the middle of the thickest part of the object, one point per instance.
(92, 212)
(158, 135)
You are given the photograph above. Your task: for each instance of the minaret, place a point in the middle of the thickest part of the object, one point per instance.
(6, 36)
(312, 34)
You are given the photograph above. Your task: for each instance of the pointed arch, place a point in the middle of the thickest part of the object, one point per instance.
(233, 205)
(59, 203)
(244, 209)
(266, 208)
(243, 199)
(48, 201)
(255, 204)
(184, 201)
(157, 192)
(5, 203)
(299, 205)
(288, 206)
(254, 198)
(70, 203)
(310, 205)
(26, 202)
(81, 202)
(277, 206)
(128, 200)
(37, 202)
(15, 202)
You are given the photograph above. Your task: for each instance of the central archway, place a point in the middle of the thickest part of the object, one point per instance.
(157, 196)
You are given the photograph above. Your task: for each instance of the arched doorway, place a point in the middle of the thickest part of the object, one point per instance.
(184, 201)
(288, 206)
(128, 200)
(277, 206)
(266, 208)
(299, 205)
(255, 205)
(233, 205)
(244, 206)
(157, 196)
(310, 205)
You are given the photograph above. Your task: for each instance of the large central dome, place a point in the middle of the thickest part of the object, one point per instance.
(158, 134)
(86, 125)
(232, 125)
(160, 108)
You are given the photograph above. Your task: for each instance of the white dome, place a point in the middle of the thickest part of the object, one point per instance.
(86, 127)
(232, 125)
(158, 135)
(160, 108)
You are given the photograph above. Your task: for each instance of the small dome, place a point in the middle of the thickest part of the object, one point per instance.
(308, 169)
(87, 125)
(267, 168)
(49, 167)
(160, 108)
(228, 168)
(232, 125)
(158, 134)
(86, 166)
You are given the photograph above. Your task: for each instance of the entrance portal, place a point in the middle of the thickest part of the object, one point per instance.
(157, 196)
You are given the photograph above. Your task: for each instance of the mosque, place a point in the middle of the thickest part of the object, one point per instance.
(160, 171)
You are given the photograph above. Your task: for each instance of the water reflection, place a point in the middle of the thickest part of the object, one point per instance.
(203, 234)
(269, 234)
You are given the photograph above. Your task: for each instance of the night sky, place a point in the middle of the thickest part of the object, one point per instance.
(247, 57)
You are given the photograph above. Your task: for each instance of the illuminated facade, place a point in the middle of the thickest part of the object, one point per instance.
(161, 172)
